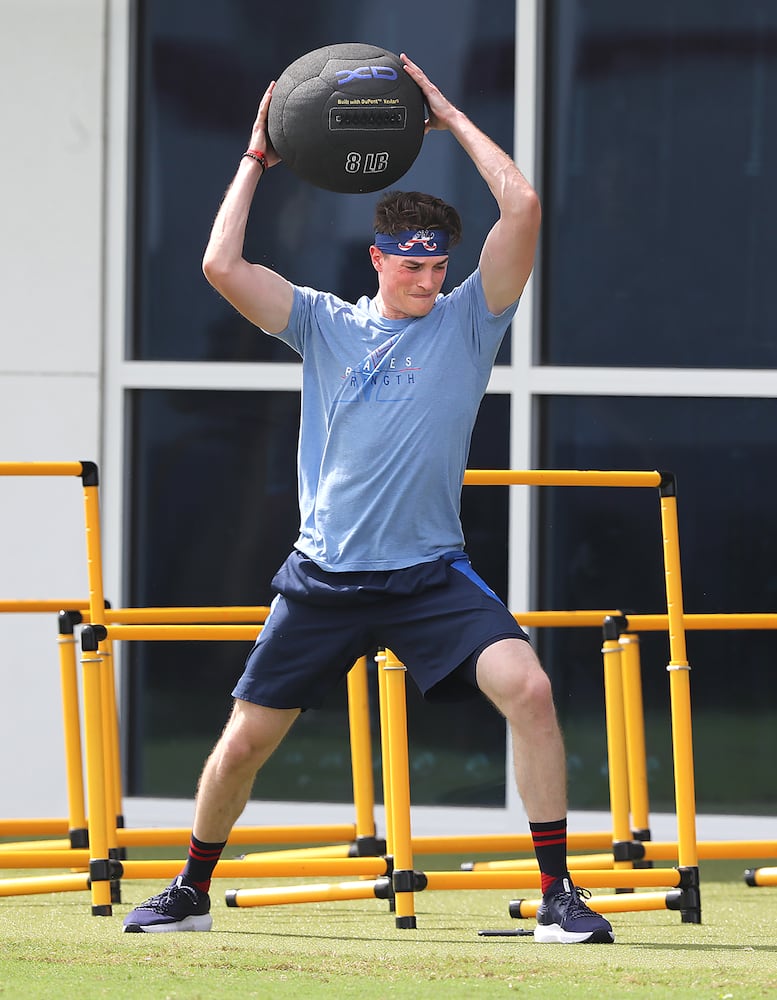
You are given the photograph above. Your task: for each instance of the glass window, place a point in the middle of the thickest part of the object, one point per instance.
(201, 69)
(213, 489)
(601, 548)
(660, 223)
(214, 513)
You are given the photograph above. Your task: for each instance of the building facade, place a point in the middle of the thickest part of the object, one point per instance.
(646, 339)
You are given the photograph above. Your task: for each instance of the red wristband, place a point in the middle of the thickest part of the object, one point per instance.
(260, 158)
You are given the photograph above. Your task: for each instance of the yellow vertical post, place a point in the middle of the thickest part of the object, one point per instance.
(679, 683)
(635, 735)
(111, 736)
(404, 877)
(71, 718)
(102, 822)
(361, 750)
(616, 736)
(385, 753)
(99, 864)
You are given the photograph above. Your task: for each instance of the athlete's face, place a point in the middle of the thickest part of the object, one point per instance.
(407, 286)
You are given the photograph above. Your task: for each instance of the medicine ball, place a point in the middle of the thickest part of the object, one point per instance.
(347, 118)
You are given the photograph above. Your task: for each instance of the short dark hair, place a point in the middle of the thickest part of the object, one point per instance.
(397, 211)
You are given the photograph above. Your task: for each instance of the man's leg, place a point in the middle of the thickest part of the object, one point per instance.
(248, 740)
(510, 675)
(251, 735)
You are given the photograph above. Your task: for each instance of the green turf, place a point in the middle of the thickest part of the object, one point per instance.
(51, 946)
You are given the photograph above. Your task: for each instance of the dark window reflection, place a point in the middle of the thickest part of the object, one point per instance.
(660, 208)
(214, 512)
(201, 69)
(601, 548)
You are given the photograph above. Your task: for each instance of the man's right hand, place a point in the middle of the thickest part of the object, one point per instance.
(260, 140)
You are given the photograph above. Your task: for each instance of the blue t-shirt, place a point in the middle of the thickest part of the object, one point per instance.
(388, 408)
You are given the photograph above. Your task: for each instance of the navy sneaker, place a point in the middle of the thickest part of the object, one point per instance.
(179, 907)
(563, 917)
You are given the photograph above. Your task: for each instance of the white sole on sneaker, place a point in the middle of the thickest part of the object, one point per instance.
(553, 934)
(204, 922)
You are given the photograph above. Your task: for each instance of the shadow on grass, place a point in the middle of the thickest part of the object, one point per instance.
(690, 946)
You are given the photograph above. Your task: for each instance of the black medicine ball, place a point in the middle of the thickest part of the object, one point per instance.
(347, 118)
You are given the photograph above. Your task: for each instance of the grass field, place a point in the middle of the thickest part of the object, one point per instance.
(51, 946)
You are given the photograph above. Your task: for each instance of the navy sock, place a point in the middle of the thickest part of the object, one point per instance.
(550, 846)
(200, 863)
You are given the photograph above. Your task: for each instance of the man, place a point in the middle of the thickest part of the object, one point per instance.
(391, 390)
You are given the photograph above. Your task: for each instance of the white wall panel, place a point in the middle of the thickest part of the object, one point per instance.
(51, 122)
(51, 71)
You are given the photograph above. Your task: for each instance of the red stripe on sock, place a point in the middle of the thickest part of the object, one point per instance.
(200, 855)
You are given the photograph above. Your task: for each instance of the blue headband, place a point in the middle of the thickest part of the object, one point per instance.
(414, 243)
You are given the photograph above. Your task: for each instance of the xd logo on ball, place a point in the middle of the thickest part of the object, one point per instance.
(345, 76)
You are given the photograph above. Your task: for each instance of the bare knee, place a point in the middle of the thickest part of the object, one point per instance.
(511, 676)
(251, 735)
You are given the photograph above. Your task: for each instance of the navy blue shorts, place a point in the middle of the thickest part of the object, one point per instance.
(435, 617)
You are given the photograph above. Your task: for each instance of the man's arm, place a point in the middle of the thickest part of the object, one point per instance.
(507, 257)
(257, 292)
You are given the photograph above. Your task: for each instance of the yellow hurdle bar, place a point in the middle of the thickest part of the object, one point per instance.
(654, 850)
(28, 857)
(559, 477)
(40, 884)
(40, 607)
(41, 468)
(176, 633)
(692, 621)
(172, 836)
(659, 623)
(180, 616)
(322, 892)
(622, 903)
(174, 615)
(709, 850)
(590, 877)
(565, 619)
(584, 861)
(503, 843)
(761, 876)
(272, 867)
(32, 827)
(328, 851)
(35, 845)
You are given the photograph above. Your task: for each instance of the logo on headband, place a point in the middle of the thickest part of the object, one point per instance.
(414, 242)
(424, 237)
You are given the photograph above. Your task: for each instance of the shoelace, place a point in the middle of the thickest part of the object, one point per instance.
(576, 901)
(158, 903)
